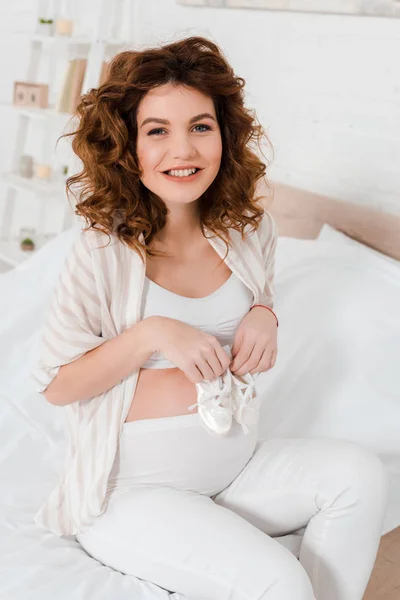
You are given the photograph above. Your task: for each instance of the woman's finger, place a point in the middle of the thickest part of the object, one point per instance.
(264, 362)
(252, 362)
(205, 369)
(242, 357)
(223, 358)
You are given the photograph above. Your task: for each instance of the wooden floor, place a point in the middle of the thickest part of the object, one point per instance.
(385, 579)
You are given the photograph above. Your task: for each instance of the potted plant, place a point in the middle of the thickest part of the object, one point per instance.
(27, 244)
(45, 26)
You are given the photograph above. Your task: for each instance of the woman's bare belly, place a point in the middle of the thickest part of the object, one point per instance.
(162, 393)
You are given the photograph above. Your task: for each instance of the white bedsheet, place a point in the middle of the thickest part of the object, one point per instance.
(337, 375)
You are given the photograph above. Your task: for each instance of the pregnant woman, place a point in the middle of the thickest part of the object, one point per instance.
(160, 323)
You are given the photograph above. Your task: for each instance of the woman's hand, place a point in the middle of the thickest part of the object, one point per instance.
(197, 353)
(254, 348)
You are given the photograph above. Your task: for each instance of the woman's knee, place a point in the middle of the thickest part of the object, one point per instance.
(291, 579)
(364, 468)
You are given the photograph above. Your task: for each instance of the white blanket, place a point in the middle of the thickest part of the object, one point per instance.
(336, 376)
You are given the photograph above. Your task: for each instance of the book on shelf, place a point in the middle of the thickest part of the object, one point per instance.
(71, 88)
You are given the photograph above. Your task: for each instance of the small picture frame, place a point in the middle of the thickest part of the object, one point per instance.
(32, 95)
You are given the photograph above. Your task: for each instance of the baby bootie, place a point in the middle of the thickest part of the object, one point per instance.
(214, 405)
(214, 402)
(245, 403)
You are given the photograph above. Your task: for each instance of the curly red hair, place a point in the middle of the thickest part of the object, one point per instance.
(112, 197)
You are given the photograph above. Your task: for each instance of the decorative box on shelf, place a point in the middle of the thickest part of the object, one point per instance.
(34, 95)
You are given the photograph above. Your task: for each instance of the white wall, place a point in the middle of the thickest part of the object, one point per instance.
(326, 88)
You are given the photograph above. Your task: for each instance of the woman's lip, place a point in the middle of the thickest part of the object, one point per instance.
(182, 169)
(186, 179)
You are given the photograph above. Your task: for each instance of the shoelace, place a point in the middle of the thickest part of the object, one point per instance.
(250, 387)
(245, 395)
(218, 391)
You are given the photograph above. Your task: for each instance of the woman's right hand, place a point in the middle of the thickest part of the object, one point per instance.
(197, 353)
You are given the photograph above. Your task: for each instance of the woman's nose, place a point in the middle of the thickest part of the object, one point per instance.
(182, 146)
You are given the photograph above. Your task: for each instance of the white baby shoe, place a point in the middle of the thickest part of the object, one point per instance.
(226, 397)
(214, 404)
(245, 403)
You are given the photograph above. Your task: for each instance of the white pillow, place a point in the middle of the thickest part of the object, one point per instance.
(337, 373)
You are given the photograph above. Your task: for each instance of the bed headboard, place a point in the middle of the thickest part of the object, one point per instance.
(300, 213)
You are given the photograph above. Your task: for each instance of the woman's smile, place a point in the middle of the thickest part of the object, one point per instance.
(183, 178)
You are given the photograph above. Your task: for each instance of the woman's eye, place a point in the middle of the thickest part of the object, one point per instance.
(155, 131)
(205, 126)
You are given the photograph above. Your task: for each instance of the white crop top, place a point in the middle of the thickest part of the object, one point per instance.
(218, 313)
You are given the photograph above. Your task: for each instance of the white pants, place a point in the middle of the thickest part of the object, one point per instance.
(166, 523)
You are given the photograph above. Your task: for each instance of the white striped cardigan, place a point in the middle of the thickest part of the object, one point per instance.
(98, 297)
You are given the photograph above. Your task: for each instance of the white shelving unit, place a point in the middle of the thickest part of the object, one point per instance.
(100, 45)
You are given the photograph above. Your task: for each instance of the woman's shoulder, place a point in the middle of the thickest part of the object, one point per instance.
(268, 227)
(266, 230)
(92, 240)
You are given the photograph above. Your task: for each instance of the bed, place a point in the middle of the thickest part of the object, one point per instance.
(337, 297)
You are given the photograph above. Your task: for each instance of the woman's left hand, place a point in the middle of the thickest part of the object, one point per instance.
(254, 348)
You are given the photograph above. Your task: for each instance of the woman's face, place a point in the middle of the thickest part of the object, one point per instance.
(175, 132)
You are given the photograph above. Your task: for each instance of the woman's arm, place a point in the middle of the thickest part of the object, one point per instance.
(268, 235)
(269, 239)
(103, 367)
(77, 361)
